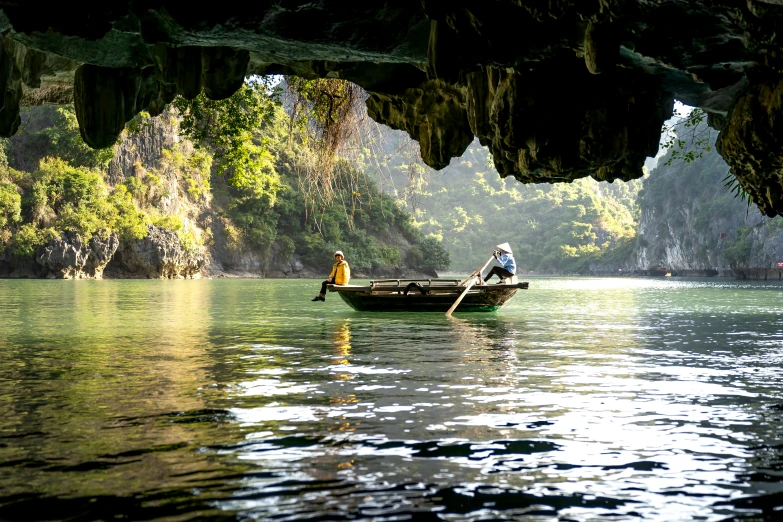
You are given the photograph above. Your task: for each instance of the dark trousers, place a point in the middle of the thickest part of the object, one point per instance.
(502, 273)
(323, 286)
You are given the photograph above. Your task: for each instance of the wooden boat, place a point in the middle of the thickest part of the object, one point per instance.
(425, 295)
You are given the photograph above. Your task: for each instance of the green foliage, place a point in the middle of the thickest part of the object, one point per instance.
(192, 168)
(76, 196)
(136, 187)
(171, 223)
(190, 242)
(59, 197)
(10, 204)
(560, 227)
(138, 123)
(429, 253)
(738, 251)
(315, 250)
(688, 138)
(734, 188)
(233, 237)
(256, 195)
(257, 177)
(367, 225)
(225, 128)
(775, 225)
(29, 237)
(10, 209)
(390, 256)
(128, 220)
(66, 143)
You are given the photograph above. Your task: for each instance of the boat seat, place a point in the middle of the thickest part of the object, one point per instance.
(513, 280)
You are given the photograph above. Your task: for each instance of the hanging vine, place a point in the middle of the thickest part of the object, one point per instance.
(325, 114)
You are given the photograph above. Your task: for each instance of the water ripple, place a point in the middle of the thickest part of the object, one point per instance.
(584, 399)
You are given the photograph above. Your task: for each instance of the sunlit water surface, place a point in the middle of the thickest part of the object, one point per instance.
(582, 399)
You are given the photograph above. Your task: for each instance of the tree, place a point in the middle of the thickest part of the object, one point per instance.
(65, 142)
(226, 128)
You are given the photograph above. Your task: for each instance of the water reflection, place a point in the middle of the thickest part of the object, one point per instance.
(588, 399)
(341, 339)
(587, 387)
(93, 372)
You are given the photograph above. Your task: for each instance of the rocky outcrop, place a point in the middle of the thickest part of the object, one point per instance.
(761, 251)
(66, 257)
(143, 147)
(668, 243)
(287, 266)
(160, 255)
(433, 114)
(15, 268)
(690, 225)
(70, 257)
(558, 89)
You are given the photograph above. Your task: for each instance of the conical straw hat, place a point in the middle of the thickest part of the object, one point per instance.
(505, 247)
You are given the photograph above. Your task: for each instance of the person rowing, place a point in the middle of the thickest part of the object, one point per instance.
(341, 275)
(507, 268)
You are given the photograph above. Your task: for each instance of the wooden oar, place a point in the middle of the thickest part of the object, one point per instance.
(472, 279)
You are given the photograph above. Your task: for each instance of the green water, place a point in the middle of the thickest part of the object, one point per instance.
(582, 399)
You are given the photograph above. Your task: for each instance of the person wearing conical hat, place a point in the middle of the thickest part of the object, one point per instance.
(341, 274)
(507, 268)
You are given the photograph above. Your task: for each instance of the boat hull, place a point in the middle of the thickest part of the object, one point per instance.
(482, 299)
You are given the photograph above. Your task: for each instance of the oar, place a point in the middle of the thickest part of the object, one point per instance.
(472, 279)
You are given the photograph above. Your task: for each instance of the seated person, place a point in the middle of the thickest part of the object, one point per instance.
(508, 266)
(341, 274)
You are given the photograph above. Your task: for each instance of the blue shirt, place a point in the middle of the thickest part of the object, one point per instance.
(507, 262)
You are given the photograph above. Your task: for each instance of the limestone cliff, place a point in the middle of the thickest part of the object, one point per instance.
(155, 206)
(147, 149)
(69, 257)
(757, 250)
(138, 163)
(160, 255)
(691, 225)
(66, 257)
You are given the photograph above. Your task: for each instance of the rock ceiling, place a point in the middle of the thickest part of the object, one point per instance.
(557, 89)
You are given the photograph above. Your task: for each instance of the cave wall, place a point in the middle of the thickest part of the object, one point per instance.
(557, 89)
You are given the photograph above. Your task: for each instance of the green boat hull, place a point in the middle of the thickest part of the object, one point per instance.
(481, 299)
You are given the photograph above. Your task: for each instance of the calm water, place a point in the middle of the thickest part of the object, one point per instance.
(582, 399)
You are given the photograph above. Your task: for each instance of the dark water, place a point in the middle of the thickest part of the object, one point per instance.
(583, 399)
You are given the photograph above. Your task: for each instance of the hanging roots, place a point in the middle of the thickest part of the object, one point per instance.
(328, 113)
(329, 117)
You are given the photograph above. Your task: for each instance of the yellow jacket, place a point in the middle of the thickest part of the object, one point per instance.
(341, 273)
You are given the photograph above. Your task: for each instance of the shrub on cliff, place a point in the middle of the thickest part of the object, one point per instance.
(243, 167)
(76, 198)
(738, 250)
(59, 197)
(29, 237)
(10, 210)
(65, 142)
(429, 253)
(10, 204)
